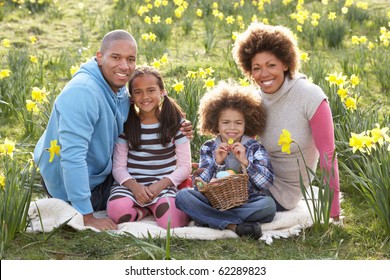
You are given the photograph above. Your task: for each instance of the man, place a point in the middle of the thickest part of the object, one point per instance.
(86, 120)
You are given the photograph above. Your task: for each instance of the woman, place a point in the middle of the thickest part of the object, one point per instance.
(269, 56)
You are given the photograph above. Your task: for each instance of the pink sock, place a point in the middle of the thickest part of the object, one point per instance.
(124, 209)
(165, 209)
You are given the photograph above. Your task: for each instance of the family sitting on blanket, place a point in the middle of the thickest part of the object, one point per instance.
(268, 55)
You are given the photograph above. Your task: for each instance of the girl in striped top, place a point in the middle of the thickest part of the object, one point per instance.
(152, 157)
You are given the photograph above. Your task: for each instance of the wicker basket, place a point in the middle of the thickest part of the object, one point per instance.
(227, 192)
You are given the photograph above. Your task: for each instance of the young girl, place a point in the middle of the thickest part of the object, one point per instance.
(152, 157)
(233, 114)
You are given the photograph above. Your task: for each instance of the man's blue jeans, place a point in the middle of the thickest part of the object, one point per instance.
(260, 209)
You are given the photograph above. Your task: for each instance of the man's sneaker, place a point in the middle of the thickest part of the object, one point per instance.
(252, 230)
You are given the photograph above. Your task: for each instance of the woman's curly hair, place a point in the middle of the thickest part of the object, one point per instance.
(230, 95)
(260, 37)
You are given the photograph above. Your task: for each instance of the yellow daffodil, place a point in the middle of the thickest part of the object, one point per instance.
(178, 12)
(178, 2)
(152, 37)
(356, 141)
(348, 3)
(230, 20)
(336, 78)
(362, 5)
(6, 43)
(314, 23)
(32, 106)
(315, 16)
(243, 82)
(192, 74)
(260, 6)
(156, 19)
(350, 103)
(73, 69)
(54, 150)
(368, 143)
(209, 83)
(179, 86)
(148, 20)
(7, 148)
(2, 181)
(379, 134)
(142, 10)
(168, 21)
(355, 40)
(33, 40)
(285, 141)
(209, 70)
(363, 39)
(39, 95)
(332, 16)
(157, 3)
(202, 73)
(344, 10)
(164, 58)
(371, 46)
(4, 73)
(304, 56)
(199, 12)
(33, 59)
(343, 93)
(354, 80)
(156, 63)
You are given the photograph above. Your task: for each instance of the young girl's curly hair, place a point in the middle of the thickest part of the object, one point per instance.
(230, 95)
(259, 37)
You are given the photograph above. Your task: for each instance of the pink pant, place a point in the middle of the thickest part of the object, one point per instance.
(124, 209)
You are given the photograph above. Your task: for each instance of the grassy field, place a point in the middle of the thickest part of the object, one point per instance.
(69, 32)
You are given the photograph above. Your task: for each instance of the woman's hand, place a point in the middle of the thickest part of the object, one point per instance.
(187, 130)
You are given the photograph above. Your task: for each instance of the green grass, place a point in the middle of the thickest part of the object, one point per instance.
(70, 36)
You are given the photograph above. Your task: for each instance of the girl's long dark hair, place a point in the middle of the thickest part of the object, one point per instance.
(170, 116)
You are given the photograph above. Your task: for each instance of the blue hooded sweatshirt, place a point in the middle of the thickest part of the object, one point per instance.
(86, 120)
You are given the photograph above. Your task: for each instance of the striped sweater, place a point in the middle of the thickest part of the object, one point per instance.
(151, 162)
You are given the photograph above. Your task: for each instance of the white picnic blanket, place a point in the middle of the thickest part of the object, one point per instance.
(47, 214)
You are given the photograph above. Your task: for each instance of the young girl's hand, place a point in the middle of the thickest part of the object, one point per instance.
(158, 186)
(141, 193)
(221, 153)
(239, 152)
